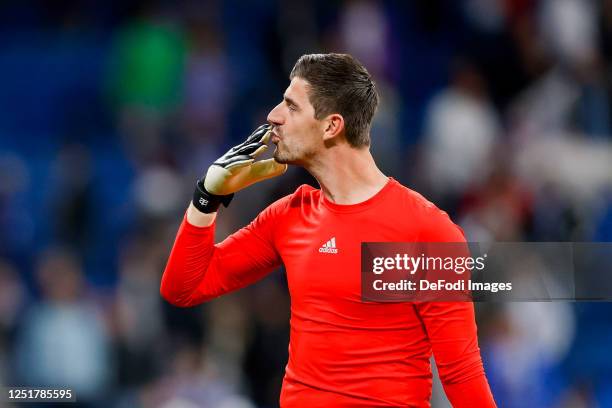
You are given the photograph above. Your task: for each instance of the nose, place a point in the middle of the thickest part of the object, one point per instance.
(275, 117)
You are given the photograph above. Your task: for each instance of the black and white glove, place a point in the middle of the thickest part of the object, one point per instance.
(235, 170)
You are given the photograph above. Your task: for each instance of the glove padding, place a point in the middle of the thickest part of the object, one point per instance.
(238, 169)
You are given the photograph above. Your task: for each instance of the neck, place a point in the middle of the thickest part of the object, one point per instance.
(347, 175)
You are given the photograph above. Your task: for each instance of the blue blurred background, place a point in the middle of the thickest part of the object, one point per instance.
(499, 111)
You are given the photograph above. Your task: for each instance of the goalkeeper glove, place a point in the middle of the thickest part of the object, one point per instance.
(235, 170)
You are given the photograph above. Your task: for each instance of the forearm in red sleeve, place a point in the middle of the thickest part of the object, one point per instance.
(198, 270)
(451, 328)
(472, 393)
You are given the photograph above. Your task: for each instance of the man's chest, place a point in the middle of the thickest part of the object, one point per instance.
(322, 254)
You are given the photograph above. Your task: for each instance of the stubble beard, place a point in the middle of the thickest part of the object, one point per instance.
(295, 155)
(278, 156)
(283, 157)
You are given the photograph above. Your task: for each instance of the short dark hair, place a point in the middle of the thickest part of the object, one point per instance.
(340, 84)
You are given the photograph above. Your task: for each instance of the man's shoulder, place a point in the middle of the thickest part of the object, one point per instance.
(423, 210)
(413, 199)
(304, 194)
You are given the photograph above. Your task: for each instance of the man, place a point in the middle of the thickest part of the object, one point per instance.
(343, 352)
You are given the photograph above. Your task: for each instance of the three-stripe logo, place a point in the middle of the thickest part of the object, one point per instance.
(329, 247)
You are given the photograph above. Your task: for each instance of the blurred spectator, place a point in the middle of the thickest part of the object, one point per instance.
(73, 197)
(158, 190)
(580, 169)
(499, 210)
(462, 128)
(147, 64)
(63, 341)
(190, 383)
(208, 86)
(525, 348)
(570, 28)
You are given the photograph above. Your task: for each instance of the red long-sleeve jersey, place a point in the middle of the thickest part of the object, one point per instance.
(343, 352)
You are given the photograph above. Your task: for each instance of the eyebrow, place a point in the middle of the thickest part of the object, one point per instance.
(290, 101)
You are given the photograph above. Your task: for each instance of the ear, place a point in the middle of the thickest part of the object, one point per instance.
(333, 126)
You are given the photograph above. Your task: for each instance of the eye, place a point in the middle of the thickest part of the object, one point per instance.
(292, 107)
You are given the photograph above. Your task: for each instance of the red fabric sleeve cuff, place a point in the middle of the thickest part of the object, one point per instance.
(474, 393)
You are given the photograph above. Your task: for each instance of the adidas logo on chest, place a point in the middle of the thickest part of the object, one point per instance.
(329, 247)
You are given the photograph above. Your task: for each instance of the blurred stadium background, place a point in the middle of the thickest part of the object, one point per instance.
(500, 111)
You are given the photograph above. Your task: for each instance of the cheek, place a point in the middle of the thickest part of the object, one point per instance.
(301, 133)
(307, 126)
